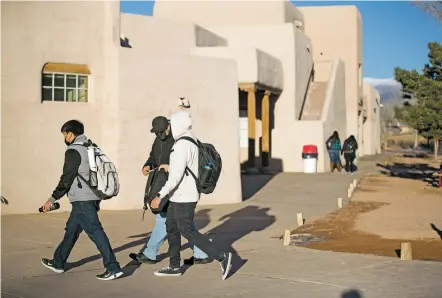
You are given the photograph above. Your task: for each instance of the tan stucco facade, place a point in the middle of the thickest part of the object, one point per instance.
(223, 60)
(372, 129)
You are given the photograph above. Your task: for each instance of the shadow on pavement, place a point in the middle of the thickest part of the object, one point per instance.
(251, 184)
(411, 171)
(351, 294)
(237, 225)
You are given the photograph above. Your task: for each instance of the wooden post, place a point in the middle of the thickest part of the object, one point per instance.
(406, 253)
(300, 219)
(355, 183)
(339, 203)
(251, 115)
(286, 237)
(350, 192)
(265, 120)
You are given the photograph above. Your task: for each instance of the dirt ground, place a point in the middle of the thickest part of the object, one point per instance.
(383, 212)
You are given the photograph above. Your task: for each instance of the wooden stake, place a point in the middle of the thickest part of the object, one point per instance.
(406, 253)
(300, 218)
(286, 237)
(355, 183)
(339, 203)
(350, 192)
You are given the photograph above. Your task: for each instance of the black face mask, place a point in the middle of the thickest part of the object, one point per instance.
(161, 135)
(67, 143)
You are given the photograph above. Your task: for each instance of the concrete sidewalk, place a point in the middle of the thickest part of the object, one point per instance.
(263, 266)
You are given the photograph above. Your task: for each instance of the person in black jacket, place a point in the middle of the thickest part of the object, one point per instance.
(349, 150)
(157, 167)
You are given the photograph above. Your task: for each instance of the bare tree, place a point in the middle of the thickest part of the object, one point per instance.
(432, 7)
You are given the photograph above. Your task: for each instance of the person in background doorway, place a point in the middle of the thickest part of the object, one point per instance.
(349, 150)
(333, 145)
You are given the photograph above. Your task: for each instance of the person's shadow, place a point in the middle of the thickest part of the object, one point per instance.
(351, 294)
(237, 225)
(202, 219)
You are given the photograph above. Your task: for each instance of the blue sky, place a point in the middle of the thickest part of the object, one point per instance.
(396, 33)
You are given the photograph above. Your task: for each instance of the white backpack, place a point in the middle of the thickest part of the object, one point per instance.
(103, 176)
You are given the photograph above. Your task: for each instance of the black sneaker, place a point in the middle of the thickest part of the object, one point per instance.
(196, 261)
(110, 275)
(226, 264)
(50, 265)
(169, 271)
(141, 258)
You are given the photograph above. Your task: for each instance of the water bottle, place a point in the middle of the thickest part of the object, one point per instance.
(92, 166)
(53, 207)
(206, 173)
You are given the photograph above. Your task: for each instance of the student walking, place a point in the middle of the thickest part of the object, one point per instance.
(85, 205)
(184, 176)
(157, 167)
(333, 146)
(349, 150)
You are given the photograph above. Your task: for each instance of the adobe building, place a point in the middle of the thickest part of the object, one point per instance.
(260, 86)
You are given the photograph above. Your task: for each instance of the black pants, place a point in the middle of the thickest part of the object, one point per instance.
(84, 216)
(349, 159)
(179, 222)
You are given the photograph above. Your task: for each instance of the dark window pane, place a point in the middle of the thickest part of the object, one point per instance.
(58, 94)
(82, 95)
(47, 80)
(71, 95)
(58, 80)
(71, 81)
(82, 82)
(47, 94)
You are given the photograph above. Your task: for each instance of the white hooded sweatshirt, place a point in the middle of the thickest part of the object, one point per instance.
(182, 187)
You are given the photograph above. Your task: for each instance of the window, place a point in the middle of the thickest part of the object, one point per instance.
(65, 82)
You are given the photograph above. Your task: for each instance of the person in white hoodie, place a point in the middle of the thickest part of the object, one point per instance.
(182, 189)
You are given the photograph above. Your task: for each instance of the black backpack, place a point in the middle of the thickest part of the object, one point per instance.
(207, 156)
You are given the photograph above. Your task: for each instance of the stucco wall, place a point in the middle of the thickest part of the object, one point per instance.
(253, 65)
(332, 118)
(229, 12)
(32, 145)
(372, 136)
(333, 113)
(336, 32)
(173, 36)
(150, 85)
(289, 45)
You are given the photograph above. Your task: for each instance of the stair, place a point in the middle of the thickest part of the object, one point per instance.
(315, 101)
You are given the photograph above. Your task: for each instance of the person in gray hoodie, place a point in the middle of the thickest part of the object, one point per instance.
(85, 205)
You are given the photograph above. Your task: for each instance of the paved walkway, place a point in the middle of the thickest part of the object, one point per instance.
(263, 266)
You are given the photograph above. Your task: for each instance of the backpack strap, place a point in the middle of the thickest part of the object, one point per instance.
(196, 143)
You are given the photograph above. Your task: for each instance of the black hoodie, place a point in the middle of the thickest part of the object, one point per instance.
(350, 145)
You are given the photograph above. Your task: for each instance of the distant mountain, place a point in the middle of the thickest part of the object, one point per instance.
(389, 89)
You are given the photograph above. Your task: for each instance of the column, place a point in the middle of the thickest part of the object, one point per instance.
(251, 115)
(265, 120)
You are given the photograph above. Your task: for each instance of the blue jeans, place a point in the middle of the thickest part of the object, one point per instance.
(159, 235)
(335, 156)
(84, 217)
